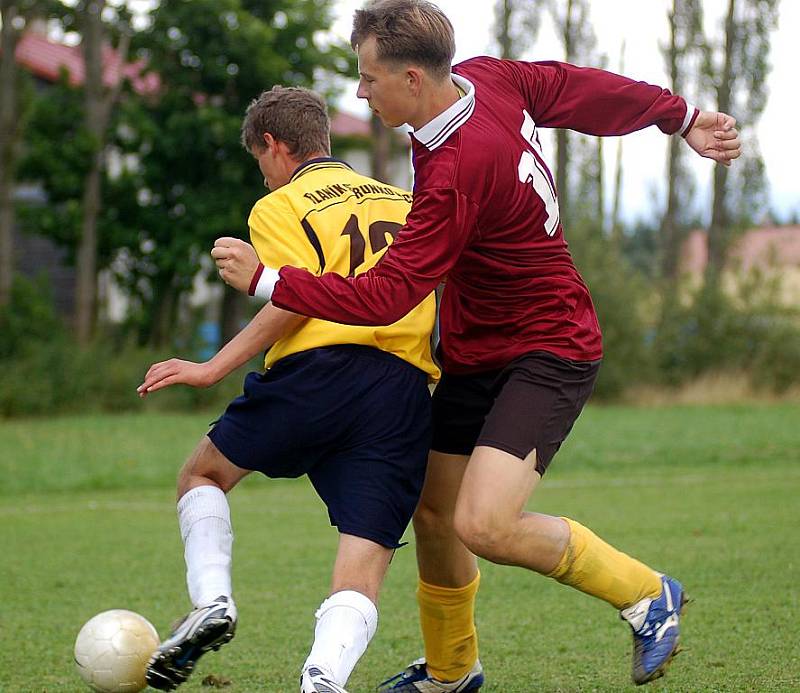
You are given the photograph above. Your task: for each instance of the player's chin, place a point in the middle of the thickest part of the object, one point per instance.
(388, 122)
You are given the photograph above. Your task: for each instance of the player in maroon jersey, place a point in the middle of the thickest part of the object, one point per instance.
(520, 343)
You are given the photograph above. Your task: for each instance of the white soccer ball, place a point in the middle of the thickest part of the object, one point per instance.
(112, 649)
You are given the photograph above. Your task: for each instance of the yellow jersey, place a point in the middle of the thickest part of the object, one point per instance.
(328, 218)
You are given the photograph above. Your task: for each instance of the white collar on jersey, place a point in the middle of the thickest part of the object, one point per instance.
(435, 132)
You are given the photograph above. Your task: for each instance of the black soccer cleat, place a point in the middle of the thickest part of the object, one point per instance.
(201, 630)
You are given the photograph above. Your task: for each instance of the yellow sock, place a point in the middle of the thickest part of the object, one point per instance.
(592, 566)
(447, 617)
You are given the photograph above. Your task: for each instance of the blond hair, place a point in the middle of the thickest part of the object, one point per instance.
(407, 31)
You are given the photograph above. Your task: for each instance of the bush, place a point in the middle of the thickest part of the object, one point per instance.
(45, 372)
(29, 317)
(750, 332)
(57, 377)
(620, 296)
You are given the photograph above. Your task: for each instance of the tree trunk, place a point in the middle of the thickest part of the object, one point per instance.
(562, 136)
(86, 266)
(669, 225)
(230, 318)
(670, 232)
(379, 155)
(8, 132)
(719, 231)
(99, 103)
(616, 208)
(616, 222)
(600, 184)
(162, 311)
(504, 30)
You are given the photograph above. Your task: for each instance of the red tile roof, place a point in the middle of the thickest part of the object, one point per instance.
(766, 246)
(45, 59)
(347, 124)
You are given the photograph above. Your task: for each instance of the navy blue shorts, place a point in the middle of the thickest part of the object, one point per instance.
(355, 419)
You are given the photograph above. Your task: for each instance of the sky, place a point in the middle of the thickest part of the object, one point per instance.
(644, 27)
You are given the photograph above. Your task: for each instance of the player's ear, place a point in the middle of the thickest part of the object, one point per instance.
(415, 78)
(269, 140)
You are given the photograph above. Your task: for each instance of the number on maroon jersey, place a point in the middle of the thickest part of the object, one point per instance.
(533, 171)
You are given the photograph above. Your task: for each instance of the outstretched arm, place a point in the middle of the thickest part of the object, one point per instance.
(269, 325)
(714, 136)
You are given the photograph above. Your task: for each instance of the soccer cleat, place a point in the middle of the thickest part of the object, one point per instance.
(206, 628)
(656, 630)
(315, 680)
(415, 678)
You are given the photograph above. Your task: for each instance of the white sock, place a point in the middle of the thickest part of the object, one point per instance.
(205, 522)
(346, 622)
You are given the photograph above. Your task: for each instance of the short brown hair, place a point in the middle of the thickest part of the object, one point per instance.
(407, 31)
(294, 115)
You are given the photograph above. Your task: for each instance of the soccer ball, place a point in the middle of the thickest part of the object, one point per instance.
(112, 650)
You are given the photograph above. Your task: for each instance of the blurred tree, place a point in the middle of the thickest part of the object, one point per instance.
(9, 15)
(71, 167)
(14, 17)
(195, 182)
(180, 176)
(585, 159)
(380, 151)
(577, 36)
(616, 207)
(99, 102)
(516, 24)
(681, 55)
(737, 72)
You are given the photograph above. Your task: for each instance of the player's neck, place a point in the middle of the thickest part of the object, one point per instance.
(294, 165)
(439, 98)
(312, 157)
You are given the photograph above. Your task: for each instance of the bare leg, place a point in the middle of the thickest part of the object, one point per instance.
(490, 517)
(360, 565)
(205, 524)
(441, 556)
(448, 573)
(348, 618)
(207, 466)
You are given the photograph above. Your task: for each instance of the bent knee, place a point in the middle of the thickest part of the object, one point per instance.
(487, 537)
(207, 466)
(432, 520)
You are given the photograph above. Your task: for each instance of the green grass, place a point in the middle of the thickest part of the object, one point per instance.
(709, 494)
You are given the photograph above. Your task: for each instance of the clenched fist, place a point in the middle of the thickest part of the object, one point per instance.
(236, 261)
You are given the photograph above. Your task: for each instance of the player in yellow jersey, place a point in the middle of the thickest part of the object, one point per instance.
(348, 406)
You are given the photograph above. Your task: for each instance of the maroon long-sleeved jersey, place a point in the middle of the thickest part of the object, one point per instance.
(485, 217)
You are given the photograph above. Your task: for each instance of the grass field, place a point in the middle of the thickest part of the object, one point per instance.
(709, 494)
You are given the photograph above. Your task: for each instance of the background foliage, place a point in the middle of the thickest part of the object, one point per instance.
(176, 177)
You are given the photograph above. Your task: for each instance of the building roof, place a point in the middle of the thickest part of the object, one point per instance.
(45, 59)
(346, 124)
(759, 248)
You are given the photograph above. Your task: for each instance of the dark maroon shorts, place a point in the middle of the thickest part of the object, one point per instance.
(530, 404)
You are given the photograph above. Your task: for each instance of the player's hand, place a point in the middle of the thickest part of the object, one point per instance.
(715, 136)
(236, 261)
(176, 372)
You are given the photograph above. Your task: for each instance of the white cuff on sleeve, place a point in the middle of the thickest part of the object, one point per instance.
(266, 283)
(687, 119)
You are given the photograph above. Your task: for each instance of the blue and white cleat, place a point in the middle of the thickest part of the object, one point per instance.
(415, 679)
(206, 628)
(656, 630)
